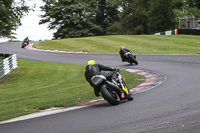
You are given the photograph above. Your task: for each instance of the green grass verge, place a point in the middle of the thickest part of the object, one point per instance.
(140, 44)
(1, 58)
(36, 86)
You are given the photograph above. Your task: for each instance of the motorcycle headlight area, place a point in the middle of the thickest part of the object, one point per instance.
(98, 79)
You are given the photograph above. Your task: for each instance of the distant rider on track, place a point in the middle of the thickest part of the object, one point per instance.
(26, 40)
(126, 55)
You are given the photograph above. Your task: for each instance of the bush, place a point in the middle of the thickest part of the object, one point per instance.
(115, 29)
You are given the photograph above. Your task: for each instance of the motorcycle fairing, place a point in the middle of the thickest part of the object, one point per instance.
(124, 88)
(122, 94)
(98, 79)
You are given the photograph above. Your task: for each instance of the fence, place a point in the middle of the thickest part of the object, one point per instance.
(187, 22)
(171, 32)
(7, 65)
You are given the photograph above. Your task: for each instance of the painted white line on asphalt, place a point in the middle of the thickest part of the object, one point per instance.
(30, 47)
(145, 84)
(42, 113)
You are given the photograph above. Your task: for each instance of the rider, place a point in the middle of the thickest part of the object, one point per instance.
(124, 53)
(26, 40)
(93, 69)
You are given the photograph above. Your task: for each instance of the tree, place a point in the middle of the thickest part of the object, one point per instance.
(192, 8)
(11, 13)
(79, 18)
(193, 3)
(134, 18)
(71, 18)
(65, 16)
(106, 13)
(186, 8)
(161, 15)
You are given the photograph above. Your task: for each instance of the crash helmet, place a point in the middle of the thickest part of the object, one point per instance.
(91, 62)
(122, 47)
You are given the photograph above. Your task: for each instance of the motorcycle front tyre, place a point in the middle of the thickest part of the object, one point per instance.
(130, 96)
(110, 97)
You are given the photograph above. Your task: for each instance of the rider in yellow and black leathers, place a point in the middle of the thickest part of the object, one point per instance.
(93, 69)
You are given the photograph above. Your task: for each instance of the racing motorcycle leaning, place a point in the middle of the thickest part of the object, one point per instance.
(130, 58)
(114, 90)
(24, 44)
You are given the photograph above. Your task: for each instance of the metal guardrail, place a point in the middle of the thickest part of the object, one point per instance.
(171, 32)
(7, 65)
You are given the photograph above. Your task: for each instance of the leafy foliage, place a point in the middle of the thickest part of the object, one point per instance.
(79, 18)
(193, 3)
(10, 14)
(160, 15)
(134, 16)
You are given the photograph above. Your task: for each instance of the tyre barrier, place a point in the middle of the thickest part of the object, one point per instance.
(7, 64)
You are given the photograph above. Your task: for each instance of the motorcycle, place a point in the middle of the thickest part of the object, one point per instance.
(113, 91)
(130, 58)
(24, 44)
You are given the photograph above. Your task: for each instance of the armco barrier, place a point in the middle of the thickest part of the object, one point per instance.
(170, 32)
(7, 65)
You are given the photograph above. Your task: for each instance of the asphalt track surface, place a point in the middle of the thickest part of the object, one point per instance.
(172, 107)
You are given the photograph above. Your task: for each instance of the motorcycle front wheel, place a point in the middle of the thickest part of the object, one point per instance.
(110, 96)
(130, 96)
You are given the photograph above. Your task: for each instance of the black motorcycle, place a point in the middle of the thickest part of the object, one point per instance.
(130, 58)
(113, 90)
(24, 44)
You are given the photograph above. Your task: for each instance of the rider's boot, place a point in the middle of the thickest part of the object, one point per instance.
(96, 91)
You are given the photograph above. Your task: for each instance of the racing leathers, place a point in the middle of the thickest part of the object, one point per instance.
(122, 53)
(26, 40)
(92, 70)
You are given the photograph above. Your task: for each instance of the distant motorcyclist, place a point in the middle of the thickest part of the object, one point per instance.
(93, 69)
(26, 40)
(126, 55)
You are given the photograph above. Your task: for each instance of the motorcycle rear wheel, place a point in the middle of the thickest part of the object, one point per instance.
(133, 60)
(112, 98)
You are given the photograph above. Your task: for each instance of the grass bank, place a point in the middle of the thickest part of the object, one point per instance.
(36, 86)
(1, 58)
(140, 44)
